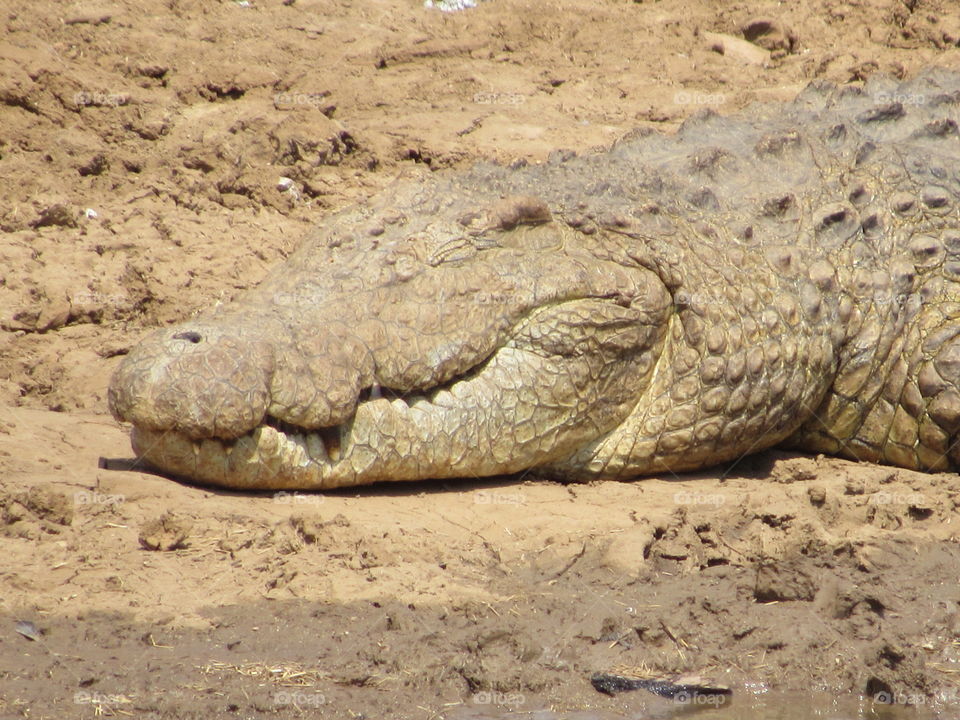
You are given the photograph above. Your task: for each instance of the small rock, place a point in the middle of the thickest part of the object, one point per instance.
(53, 315)
(783, 582)
(920, 508)
(449, 6)
(737, 49)
(96, 165)
(153, 71)
(309, 527)
(56, 214)
(235, 544)
(167, 532)
(48, 504)
(93, 17)
(854, 486)
(27, 629)
(770, 34)
(672, 550)
(817, 494)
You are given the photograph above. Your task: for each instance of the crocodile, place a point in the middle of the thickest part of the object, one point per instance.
(787, 276)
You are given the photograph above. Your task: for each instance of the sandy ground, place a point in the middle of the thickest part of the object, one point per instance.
(142, 147)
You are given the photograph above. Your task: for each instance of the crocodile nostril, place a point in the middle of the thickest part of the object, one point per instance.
(190, 335)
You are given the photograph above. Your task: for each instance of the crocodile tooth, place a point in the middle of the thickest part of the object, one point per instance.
(300, 451)
(460, 390)
(196, 449)
(343, 431)
(444, 398)
(375, 393)
(332, 438)
(417, 402)
(315, 447)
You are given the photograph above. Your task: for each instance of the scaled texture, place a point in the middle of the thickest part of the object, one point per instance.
(786, 276)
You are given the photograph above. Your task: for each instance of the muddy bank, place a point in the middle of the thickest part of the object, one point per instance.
(792, 574)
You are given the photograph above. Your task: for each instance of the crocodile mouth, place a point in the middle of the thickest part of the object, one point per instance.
(466, 427)
(326, 445)
(232, 411)
(382, 433)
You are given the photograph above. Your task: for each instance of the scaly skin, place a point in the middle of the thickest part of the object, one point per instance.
(787, 276)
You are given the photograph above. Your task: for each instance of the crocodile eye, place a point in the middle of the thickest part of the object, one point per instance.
(190, 335)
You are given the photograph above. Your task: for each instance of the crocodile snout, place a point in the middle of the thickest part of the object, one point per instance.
(202, 382)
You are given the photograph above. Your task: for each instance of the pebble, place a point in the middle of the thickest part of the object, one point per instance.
(736, 48)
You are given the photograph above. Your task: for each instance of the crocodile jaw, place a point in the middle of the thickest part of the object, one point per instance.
(461, 431)
(482, 372)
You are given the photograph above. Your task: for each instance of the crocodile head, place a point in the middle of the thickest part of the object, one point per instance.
(402, 359)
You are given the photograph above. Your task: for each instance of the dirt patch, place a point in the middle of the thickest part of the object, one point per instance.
(158, 158)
